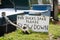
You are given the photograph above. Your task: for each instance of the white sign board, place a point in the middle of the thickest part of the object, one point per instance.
(35, 23)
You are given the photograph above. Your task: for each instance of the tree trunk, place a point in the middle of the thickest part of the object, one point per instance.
(0, 2)
(55, 9)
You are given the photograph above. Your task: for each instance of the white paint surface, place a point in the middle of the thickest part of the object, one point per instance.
(10, 11)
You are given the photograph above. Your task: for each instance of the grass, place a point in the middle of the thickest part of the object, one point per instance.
(18, 35)
(55, 30)
(59, 16)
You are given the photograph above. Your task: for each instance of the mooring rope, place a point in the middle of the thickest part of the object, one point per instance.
(7, 19)
(12, 23)
(21, 28)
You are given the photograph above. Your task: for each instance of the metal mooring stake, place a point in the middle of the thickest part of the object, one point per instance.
(6, 26)
(3, 14)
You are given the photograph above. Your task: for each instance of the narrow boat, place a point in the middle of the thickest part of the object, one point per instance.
(12, 8)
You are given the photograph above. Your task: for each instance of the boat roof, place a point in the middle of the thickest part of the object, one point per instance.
(11, 11)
